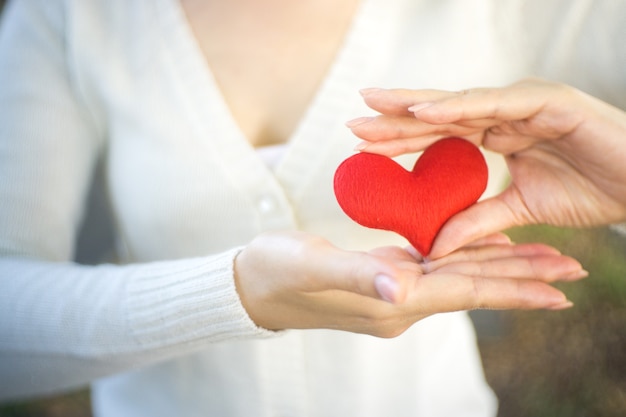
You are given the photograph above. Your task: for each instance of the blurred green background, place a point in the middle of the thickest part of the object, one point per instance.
(569, 363)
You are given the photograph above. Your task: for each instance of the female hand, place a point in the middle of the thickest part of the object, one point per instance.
(295, 280)
(565, 150)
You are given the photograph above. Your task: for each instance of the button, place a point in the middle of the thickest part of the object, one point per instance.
(266, 204)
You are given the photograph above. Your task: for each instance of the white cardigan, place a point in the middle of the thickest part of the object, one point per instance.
(163, 333)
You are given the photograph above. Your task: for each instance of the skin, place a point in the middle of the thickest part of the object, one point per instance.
(557, 141)
(297, 280)
(271, 57)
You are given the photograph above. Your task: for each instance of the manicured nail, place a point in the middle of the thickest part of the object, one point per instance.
(561, 306)
(366, 91)
(421, 106)
(361, 146)
(386, 287)
(359, 121)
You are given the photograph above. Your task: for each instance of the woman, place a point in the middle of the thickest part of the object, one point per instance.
(223, 242)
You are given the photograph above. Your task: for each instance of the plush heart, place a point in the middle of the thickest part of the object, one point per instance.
(376, 192)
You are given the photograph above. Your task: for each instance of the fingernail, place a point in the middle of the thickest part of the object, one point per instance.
(561, 306)
(576, 275)
(421, 106)
(361, 146)
(386, 287)
(359, 121)
(366, 91)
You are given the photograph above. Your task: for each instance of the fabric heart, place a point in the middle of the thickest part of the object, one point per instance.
(376, 192)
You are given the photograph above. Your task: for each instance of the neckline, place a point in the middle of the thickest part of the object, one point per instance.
(310, 140)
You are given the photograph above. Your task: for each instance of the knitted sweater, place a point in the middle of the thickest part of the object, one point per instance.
(163, 332)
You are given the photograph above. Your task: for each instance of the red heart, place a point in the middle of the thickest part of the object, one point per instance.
(376, 192)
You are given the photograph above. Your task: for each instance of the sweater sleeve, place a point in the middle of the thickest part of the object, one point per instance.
(63, 325)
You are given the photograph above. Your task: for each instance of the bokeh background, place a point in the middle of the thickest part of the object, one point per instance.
(541, 364)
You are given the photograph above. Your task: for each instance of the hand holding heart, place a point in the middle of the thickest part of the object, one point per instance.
(565, 150)
(293, 280)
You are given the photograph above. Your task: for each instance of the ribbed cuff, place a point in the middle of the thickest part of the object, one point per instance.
(187, 301)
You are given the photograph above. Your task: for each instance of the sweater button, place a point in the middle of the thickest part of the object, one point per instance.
(266, 204)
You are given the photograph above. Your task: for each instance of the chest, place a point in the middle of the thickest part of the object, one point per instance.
(269, 58)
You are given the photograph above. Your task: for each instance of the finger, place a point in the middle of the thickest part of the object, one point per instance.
(450, 292)
(397, 101)
(384, 278)
(388, 127)
(508, 140)
(518, 102)
(397, 147)
(491, 252)
(479, 220)
(310, 264)
(492, 239)
(548, 268)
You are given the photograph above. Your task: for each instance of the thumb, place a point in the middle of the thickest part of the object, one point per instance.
(477, 221)
(382, 274)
